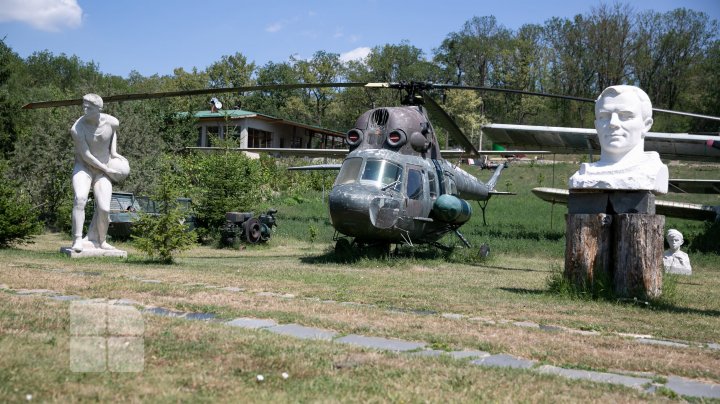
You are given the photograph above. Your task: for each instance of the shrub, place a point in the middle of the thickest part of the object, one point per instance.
(18, 221)
(164, 234)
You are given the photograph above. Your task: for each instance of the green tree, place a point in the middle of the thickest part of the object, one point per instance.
(223, 182)
(18, 220)
(163, 235)
(323, 67)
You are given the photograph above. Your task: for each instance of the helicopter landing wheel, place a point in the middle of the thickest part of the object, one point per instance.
(343, 248)
(253, 232)
(378, 250)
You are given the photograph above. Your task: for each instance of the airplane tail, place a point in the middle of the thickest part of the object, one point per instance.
(496, 176)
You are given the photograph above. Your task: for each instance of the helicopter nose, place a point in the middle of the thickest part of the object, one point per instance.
(349, 208)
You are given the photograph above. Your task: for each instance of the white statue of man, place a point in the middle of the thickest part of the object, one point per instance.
(96, 162)
(623, 115)
(674, 260)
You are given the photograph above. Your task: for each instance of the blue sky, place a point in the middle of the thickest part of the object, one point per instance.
(155, 36)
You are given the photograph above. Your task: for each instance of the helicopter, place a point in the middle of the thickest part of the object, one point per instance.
(394, 186)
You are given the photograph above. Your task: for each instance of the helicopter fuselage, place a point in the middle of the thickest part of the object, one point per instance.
(394, 187)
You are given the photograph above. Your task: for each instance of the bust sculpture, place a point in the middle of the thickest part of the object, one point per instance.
(97, 165)
(674, 260)
(623, 116)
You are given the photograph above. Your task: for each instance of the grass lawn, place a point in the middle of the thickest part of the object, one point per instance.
(403, 296)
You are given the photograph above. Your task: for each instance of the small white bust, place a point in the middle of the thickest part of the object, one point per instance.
(674, 260)
(623, 116)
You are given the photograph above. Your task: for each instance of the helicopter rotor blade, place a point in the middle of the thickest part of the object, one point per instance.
(448, 123)
(562, 97)
(204, 91)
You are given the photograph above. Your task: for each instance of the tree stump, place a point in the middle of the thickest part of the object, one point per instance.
(588, 249)
(638, 255)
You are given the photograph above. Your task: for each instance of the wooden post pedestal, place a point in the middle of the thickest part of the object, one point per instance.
(623, 248)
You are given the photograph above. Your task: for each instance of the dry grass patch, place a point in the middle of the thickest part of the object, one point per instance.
(195, 361)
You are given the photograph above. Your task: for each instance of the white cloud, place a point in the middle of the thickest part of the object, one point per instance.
(274, 27)
(45, 15)
(355, 54)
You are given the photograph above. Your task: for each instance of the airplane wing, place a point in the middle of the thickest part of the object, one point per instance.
(676, 146)
(692, 186)
(450, 154)
(681, 210)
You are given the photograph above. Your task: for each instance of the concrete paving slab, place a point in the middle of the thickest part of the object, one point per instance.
(386, 344)
(482, 320)
(428, 352)
(251, 323)
(714, 346)
(651, 341)
(600, 377)
(150, 281)
(631, 335)
(199, 316)
(504, 360)
(232, 289)
(526, 324)
(468, 354)
(66, 298)
(299, 331)
(452, 316)
(159, 311)
(582, 332)
(27, 292)
(552, 328)
(686, 387)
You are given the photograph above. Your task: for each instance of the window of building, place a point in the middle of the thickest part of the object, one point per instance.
(259, 138)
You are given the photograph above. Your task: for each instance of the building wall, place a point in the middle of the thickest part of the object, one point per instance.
(283, 134)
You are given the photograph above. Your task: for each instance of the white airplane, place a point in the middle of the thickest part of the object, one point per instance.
(674, 146)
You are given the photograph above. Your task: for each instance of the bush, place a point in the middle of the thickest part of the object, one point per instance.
(164, 234)
(18, 220)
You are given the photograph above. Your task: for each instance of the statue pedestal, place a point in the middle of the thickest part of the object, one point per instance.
(93, 252)
(616, 237)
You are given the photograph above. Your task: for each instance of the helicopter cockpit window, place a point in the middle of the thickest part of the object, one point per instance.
(349, 171)
(382, 172)
(414, 184)
(433, 185)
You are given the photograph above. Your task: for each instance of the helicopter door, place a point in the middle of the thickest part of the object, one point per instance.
(415, 191)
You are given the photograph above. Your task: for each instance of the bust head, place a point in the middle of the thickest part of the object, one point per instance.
(623, 115)
(674, 239)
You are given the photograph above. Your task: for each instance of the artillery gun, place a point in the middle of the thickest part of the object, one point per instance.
(243, 226)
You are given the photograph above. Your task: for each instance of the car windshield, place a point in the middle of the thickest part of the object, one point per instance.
(381, 172)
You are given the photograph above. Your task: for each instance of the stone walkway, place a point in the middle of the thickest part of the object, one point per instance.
(639, 338)
(645, 382)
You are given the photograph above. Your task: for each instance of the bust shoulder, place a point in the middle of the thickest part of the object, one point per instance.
(645, 173)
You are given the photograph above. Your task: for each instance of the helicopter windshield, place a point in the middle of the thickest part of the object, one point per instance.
(382, 172)
(349, 171)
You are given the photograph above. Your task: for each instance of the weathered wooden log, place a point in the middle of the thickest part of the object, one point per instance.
(588, 249)
(638, 255)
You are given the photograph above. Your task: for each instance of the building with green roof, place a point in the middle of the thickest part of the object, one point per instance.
(256, 130)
